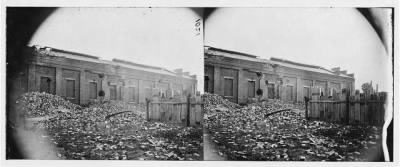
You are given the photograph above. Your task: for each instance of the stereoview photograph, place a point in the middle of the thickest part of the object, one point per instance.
(296, 84)
(104, 84)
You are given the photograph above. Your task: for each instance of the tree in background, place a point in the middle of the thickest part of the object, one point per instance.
(367, 88)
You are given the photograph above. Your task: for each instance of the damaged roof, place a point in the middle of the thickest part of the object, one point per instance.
(306, 67)
(232, 54)
(95, 59)
(282, 62)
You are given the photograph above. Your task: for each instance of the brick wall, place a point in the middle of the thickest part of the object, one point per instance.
(282, 79)
(81, 76)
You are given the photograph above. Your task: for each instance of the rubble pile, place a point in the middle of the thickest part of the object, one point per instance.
(91, 115)
(108, 130)
(38, 104)
(210, 101)
(149, 141)
(275, 103)
(250, 133)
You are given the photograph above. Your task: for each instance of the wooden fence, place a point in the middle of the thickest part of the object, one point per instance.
(187, 110)
(349, 109)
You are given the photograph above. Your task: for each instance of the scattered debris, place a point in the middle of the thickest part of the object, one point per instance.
(101, 130)
(252, 133)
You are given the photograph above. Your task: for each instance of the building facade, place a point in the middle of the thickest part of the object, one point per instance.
(238, 76)
(79, 77)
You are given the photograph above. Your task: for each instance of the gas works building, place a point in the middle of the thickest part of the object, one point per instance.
(79, 77)
(237, 76)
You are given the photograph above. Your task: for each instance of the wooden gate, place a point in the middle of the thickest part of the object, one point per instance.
(183, 110)
(343, 108)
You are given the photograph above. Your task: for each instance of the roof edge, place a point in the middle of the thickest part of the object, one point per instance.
(230, 51)
(280, 60)
(37, 47)
(48, 50)
(136, 64)
(294, 63)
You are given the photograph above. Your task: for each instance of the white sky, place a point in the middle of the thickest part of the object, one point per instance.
(328, 37)
(164, 37)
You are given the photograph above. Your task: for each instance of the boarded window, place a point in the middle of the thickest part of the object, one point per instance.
(321, 92)
(306, 91)
(271, 91)
(289, 92)
(132, 94)
(92, 90)
(251, 88)
(206, 80)
(228, 87)
(113, 92)
(70, 88)
(45, 84)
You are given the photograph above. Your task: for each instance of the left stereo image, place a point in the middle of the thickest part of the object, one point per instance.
(104, 83)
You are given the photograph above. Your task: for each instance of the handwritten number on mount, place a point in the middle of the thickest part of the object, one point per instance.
(198, 26)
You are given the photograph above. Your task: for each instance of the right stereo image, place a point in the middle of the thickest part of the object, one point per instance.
(298, 84)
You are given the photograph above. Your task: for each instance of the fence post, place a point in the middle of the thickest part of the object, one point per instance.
(188, 111)
(147, 109)
(306, 99)
(357, 113)
(347, 108)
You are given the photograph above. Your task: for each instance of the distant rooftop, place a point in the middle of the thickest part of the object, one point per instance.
(136, 64)
(232, 54)
(230, 51)
(95, 59)
(279, 61)
(64, 51)
(294, 63)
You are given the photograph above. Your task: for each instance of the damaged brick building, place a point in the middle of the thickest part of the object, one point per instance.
(237, 77)
(79, 77)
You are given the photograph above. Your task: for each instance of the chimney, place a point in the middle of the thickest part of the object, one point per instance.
(351, 75)
(194, 76)
(343, 72)
(186, 73)
(336, 69)
(178, 71)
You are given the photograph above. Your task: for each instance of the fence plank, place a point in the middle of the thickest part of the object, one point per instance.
(184, 113)
(338, 111)
(176, 110)
(362, 110)
(180, 112)
(351, 110)
(357, 109)
(175, 113)
(366, 114)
